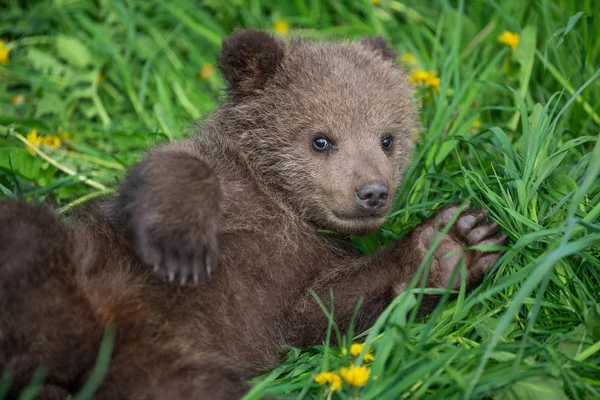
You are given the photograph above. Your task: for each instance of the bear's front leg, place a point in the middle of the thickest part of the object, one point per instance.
(379, 278)
(169, 205)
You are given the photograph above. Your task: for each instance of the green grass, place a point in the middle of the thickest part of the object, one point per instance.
(532, 330)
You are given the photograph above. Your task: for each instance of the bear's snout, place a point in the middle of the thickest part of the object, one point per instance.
(372, 196)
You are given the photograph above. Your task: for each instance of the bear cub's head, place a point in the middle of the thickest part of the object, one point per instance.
(326, 124)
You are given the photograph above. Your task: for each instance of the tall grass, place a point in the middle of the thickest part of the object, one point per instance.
(121, 76)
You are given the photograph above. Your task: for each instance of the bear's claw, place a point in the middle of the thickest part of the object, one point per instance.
(470, 229)
(183, 261)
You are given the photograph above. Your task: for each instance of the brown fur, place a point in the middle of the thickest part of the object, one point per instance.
(249, 191)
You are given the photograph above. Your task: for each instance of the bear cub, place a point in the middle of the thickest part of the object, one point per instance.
(202, 266)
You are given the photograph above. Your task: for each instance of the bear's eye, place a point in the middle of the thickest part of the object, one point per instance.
(386, 142)
(321, 144)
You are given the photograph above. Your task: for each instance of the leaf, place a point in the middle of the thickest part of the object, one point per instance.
(8, 193)
(49, 104)
(145, 47)
(592, 322)
(368, 243)
(488, 326)
(73, 51)
(571, 345)
(582, 337)
(570, 25)
(524, 55)
(502, 356)
(563, 184)
(504, 141)
(20, 161)
(47, 64)
(539, 387)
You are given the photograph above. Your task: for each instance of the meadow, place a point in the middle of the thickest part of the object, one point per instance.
(509, 93)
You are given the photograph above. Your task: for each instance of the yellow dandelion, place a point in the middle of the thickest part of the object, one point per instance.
(418, 76)
(52, 141)
(64, 135)
(17, 100)
(433, 82)
(4, 54)
(375, 2)
(511, 39)
(357, 348)
(34, 140)
(475, 126)
(355, 375)
(281, 27)
(427, 78)
(207, 71)
(409, 58)
(329, 377)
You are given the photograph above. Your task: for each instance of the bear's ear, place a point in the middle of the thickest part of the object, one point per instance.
(380, 46)
(248, 59)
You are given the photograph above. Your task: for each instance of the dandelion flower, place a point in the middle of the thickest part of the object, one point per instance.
(329, 377)
(207, 71)
(511, 39)
(4, 54)
(357, 348)
(433, 82)
(17, 100)
(427, 78)
(34, 140)
(355, 375)
(375, 2)
(64, 134)
(282, 27)
(475, 126)
(409, 58)
(52, 141)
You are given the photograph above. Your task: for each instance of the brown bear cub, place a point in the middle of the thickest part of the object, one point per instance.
(313, 135)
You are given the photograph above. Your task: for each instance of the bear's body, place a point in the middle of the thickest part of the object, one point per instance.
(237, 209)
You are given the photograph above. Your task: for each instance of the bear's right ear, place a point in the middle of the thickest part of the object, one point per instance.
(248, 59)
(380, 46)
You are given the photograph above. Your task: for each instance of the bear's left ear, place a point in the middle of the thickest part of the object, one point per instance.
(248, 59)
(380, 46)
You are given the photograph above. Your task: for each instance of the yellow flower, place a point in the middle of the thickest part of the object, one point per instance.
(207, 71)
(53, 141)
(509, 38)
(329, 377)
(428, 78)
(34, 140)
(4, 54)
(64, 135)
(282, 27)
(374, 2)
(475, 126)
(357, 348)
(409, 58)
(355, 375)
(17, 100)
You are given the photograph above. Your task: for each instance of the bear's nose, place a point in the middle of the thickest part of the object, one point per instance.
(372, 196)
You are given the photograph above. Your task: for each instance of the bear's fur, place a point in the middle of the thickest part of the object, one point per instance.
(236, 211)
